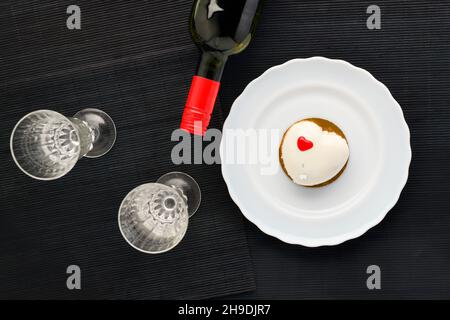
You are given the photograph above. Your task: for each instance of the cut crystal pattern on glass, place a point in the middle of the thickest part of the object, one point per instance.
(46, 145)
(153, 218)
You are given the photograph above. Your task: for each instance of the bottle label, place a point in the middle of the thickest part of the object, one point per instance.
(199, 105)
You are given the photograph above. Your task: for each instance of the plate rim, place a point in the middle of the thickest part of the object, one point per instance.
(335, 240)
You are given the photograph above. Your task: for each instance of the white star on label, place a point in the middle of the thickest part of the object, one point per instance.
(213, 8)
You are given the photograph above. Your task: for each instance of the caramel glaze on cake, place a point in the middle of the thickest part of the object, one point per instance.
(326, 126)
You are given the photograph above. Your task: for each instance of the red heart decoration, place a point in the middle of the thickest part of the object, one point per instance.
(304, 144)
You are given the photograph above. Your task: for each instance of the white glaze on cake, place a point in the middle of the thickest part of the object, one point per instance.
(318, 164)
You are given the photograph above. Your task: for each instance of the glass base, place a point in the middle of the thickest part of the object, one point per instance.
(186, 186)
(103, 128)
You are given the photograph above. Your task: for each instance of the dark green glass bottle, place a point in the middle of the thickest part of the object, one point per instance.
(220, 28)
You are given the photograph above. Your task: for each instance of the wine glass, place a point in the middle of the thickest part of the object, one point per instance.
(153, 217)
(46, 145)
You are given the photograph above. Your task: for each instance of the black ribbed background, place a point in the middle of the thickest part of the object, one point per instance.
(135, 60)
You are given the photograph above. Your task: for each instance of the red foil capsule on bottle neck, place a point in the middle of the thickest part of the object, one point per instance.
(199, 105)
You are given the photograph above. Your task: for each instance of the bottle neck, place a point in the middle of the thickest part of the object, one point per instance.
(203, 93)
(211, 65)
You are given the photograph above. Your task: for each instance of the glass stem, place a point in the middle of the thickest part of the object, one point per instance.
(86, 134)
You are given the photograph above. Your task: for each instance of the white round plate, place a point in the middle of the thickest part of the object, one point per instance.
(375, 128)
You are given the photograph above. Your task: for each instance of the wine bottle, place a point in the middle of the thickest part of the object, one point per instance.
(220, 28)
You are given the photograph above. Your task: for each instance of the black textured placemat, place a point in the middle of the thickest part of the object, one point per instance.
(411, 56)
(134, 60)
